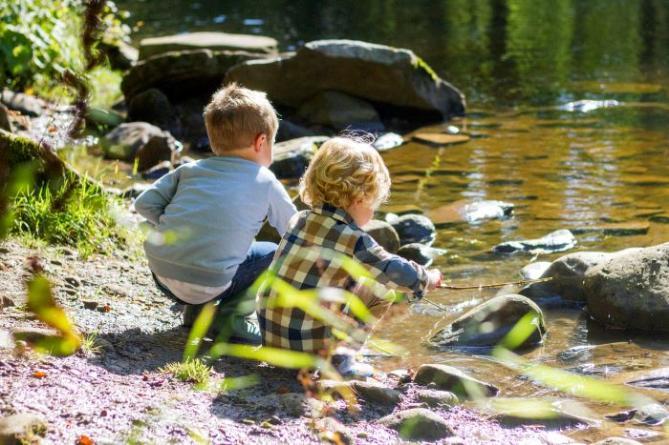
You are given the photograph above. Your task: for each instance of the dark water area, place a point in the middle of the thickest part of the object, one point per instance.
(518, 62)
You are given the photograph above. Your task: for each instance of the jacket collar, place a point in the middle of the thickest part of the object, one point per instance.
(333, 212)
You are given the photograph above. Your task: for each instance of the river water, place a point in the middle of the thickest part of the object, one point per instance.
(519, 63)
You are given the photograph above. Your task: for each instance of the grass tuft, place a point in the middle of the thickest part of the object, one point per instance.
(192, 371)
(89, 345)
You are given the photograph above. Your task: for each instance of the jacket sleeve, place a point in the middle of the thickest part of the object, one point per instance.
(281, 207)
(152, 202)
(387, 268)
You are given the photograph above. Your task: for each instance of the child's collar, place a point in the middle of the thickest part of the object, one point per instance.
(333, 212)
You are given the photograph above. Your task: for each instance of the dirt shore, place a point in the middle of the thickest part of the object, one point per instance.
(118, 394)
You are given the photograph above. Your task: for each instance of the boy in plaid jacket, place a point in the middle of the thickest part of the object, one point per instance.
(344, 184)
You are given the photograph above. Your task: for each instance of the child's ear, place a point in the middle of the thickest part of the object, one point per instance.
(260, 139)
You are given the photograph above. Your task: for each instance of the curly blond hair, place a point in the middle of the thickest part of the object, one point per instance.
(236, 115)
(342, 171)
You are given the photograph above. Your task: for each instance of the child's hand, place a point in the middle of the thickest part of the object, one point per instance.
(434, 279)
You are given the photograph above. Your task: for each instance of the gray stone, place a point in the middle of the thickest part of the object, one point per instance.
(413, 228)
(470, 212)
(630, 290)
(387, 141)
(5, 123)
(157, 171)
(206, 40)
(376, 393)
(290, 130)
(384, 234)
(291, 158)
(22, 428)
(134, 190)
(335, 431)
(551, 414)
(378, 73)
(448, 378)
(567, 273)
(141, 140)
(418, 424)
(488, 324)
(534, 270)
(340, 111)
(198, 71)
(557, 241)
(154, 107)
(434, 398)
(654, 379)
(102, 117)
(420, 253)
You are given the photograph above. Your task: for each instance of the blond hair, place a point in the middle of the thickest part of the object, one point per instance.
(342, 171)
(235, 116)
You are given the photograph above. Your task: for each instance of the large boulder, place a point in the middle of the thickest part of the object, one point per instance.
(217, 41)
(154, 107)
(418, 424)
(631, 289)
(488, 323)
(340, 111)
(448, 378)
(181, 74)
(380, 74)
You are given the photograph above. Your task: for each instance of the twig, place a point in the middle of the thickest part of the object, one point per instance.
(493, 285)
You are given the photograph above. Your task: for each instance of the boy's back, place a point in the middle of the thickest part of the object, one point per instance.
(206, 215)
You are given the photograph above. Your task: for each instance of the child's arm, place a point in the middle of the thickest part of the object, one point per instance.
(281, 207)
(387, 268)
(152, 202)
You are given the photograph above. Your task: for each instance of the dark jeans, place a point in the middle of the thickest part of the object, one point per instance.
(236, 296)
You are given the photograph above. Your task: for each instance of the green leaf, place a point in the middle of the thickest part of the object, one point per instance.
(198, 331)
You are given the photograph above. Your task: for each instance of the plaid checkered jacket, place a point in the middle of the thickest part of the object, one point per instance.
(301, 260)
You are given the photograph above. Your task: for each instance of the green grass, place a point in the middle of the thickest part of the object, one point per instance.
(89, 345)
(79, 215)
(192, 371)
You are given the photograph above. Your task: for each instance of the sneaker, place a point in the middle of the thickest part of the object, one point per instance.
(245, 329)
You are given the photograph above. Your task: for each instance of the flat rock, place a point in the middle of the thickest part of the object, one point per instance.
(654, 379)
(377, 73)
(487, 324)
(617, 441)
(435, 398)
(586, 105)
(448, 378)
(616, 229)
(535, 270)
(630, 290)
(413, 228)
(291, 158)
(470, 212)
(387, 141)
(152, 46)
(441, 138)
(142, 141)
(552, 414)
(384, 234)
(418, 424)
(557, 241)
(376, 393)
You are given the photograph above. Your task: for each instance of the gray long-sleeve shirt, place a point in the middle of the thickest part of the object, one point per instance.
(205, 216)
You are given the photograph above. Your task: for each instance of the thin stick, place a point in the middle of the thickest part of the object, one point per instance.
(486, 286)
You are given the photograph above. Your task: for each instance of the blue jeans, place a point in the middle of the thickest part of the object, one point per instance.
(257, 260)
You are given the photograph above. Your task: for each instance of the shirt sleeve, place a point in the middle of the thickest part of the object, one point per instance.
(281, 207)
(152, 202)
(387, 268)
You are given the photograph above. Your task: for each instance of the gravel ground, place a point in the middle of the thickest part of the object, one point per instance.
(120, 395)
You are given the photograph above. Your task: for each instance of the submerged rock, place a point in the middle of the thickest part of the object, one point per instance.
(553, 414)
(557, 241)
(384, 234)
(650, 414)
(470, 212)
(630, 290)
(413, 228)
(215, 41)
(440, 138)
(381, 74)
(654, 379)
(585, 106)
(340, 111)
(420, 253)
(488, 323)
(418, 424)
(448, 378)
(617, 441)
(291, 158)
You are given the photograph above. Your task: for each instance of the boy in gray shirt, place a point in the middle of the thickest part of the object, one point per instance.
(206, 214)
